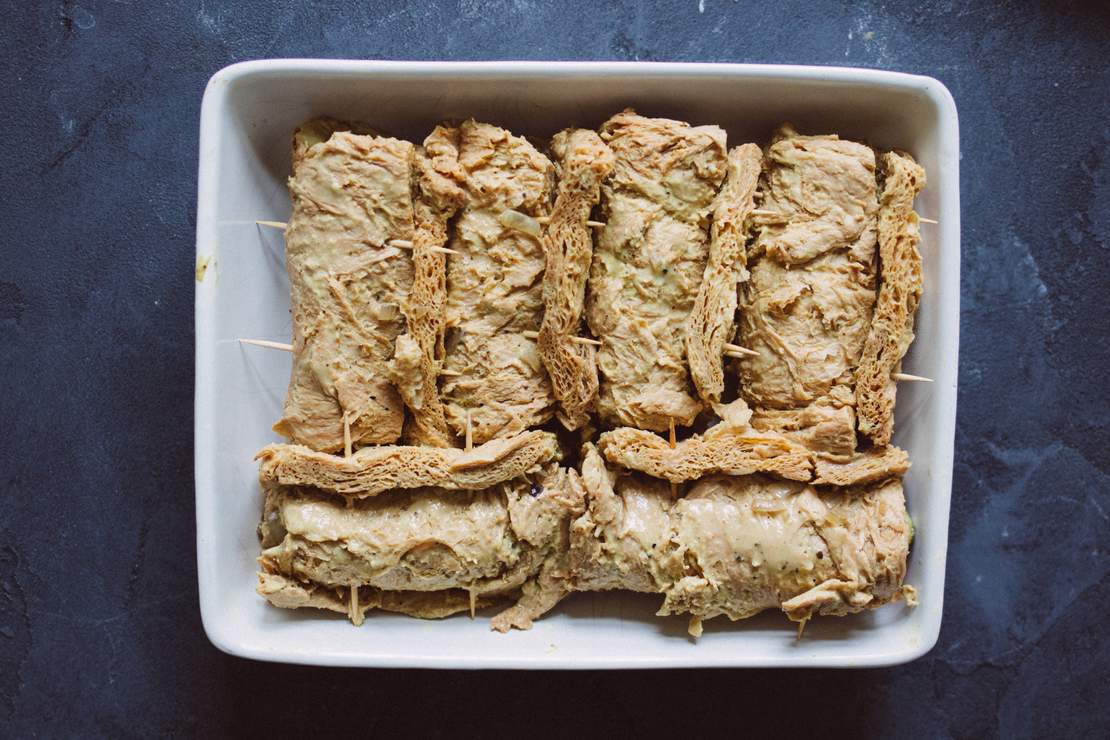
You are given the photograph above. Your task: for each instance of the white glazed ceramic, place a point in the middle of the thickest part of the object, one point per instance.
(248, 115)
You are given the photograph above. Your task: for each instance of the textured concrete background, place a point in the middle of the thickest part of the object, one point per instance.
(99, 626)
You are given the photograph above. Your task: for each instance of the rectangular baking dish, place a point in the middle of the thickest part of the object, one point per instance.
(247, 117)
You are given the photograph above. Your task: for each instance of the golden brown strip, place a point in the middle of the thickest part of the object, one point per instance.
(745, 452)
(372, 470)
(730, 453)
(582, 161)
(711, 323)
(900, 284)
(419, 353)
(866, 467)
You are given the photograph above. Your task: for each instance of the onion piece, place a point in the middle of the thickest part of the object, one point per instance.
(521, 222)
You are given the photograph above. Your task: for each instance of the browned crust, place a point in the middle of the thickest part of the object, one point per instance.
(744, 452)
(583, 161)
(865, 467)
(372, 470)
(711, 322)
(438, 195)
(738, 453)
(900, 285)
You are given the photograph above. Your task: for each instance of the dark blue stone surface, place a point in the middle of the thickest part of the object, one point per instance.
(99, 625)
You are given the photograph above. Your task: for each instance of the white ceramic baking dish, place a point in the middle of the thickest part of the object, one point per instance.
(248, 114)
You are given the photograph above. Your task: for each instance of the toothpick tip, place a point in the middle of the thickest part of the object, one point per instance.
(735, 350)
(907, 376)
(268, 344)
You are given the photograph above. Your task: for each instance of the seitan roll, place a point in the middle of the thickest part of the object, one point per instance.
(492, 368)
(807, 306)
(351, 196)
(505, 542)
(900, 288)
(712, 321)
(583, 161)
(648, 263)
(735, 546)
(437, 195)
(375, 470)
(734, 447)
(727, 452)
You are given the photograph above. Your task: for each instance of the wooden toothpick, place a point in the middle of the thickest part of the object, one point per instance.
(405, 244)
(547, 219)
(268, 344)
(924, 220)
(529, 334)
(907, 376)
(469, 433)
(398, 243)
(673, 440)
(736, 349)
(346, 433)
(356, 613)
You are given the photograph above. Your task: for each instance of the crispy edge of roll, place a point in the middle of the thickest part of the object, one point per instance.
(900, 288)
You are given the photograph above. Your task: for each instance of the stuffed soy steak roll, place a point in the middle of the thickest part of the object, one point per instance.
(734, 447)
(377, 470)
(438, 189)
(807, 307)
(427, 552)
(351, 197)
(900, 287)
(583, 161)
(647, 265)
(493, 378)
(735, 546)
